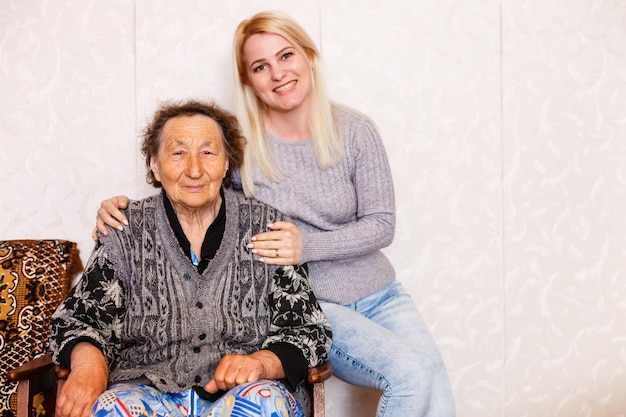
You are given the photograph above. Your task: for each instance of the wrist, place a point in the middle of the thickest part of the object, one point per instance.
(272, 366)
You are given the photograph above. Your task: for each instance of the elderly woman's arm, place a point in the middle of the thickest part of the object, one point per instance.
(92, 312)
(300, 334)
(299, 337)
(85, 335)
(85, 383)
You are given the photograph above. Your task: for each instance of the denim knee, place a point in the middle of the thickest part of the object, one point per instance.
(412, 376)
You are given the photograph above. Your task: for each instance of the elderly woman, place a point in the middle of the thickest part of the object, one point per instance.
(175, 315)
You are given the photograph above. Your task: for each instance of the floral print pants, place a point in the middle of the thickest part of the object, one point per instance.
(255, 399)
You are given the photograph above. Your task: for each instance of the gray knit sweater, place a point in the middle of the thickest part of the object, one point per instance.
(153, 315)
(345, 214)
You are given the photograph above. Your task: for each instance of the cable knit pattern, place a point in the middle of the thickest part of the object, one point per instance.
(346, 214)
(175, 324)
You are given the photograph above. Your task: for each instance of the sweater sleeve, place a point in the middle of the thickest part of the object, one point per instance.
(92, 312)
(297, 324)
(374, 225)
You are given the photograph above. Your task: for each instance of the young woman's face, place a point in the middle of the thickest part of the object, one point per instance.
(279, 75)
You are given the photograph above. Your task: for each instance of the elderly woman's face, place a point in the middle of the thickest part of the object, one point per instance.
(191, 162)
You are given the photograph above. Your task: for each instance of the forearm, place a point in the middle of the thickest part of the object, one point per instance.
(297, 319)
(361, 237)
(86, 381)
(88, 357)
(293, 363)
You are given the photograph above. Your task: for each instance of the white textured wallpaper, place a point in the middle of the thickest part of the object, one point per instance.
(505, 125)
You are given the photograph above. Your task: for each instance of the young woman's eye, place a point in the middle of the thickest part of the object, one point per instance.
(259, 68)
(286, 55)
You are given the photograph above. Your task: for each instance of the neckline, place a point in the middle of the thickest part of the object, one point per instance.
(284, 141)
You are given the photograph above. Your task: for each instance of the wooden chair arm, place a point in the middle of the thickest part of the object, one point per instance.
(32, 368)
(320, 373)
(37, 367)
(61, 372)
(43, 363)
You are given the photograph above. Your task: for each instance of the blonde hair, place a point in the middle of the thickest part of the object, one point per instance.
(250, 110)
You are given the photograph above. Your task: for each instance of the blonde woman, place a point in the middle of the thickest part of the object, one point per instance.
(324, 166)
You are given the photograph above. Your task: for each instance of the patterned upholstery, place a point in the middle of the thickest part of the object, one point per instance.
(35, 276)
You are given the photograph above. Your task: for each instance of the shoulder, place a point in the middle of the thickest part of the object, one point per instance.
(357, 129)
(139, 213)
(349, 117)
(250, 206)
(147, 203)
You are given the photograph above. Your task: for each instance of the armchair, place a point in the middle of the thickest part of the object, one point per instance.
(35, 276)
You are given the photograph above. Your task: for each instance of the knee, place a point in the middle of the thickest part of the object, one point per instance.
(124, 397)
(412, 374)
(270, 396)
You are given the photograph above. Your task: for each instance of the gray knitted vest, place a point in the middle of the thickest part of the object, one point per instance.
(178, 323)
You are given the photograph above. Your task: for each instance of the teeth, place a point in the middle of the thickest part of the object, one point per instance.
(285, 87)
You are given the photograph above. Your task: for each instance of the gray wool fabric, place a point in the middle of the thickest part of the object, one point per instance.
(346, 214)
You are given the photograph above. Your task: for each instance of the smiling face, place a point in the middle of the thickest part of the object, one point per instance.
(279, 74)
(191, 162)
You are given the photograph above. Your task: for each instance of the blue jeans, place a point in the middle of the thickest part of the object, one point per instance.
(381, 342)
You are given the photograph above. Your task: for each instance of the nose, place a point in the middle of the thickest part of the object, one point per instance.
(194, 167)
(277, 74)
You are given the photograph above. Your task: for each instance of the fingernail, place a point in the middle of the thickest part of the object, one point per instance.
(250, 246)
(253, 238)
(125, 222)
(120, 228)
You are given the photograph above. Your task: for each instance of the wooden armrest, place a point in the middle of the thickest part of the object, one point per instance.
(35, 367)
(320, 373)
(61, 372)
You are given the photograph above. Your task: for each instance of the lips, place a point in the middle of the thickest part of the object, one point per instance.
(285, 87)
(194, 188)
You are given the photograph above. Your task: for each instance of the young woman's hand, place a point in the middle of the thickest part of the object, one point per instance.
(282, 245)
(109, 214)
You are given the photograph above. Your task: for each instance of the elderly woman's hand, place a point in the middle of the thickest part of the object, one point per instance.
(235, 370)
(109, 214)
(86, 381)
(280, 246)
